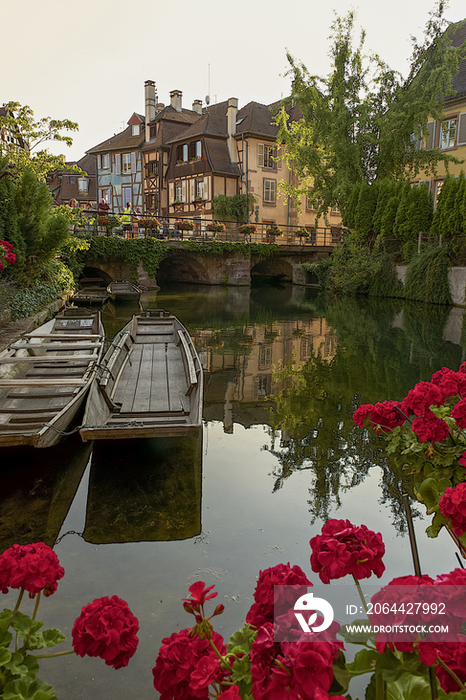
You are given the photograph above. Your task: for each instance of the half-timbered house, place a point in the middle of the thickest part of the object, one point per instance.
(120, 166)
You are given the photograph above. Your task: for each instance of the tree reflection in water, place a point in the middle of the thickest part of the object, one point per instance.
(381, 350)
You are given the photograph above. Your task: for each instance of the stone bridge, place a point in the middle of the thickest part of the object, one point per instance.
(182, 265)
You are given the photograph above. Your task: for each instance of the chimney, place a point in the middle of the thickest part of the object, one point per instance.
(149, 93)
(175, 99)
(159, 106)
(197, 106)
(231, 128)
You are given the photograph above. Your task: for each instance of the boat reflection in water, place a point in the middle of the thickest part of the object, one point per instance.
(144, 490)
(36, 497)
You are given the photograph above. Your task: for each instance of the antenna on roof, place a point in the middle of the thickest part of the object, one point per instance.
(207, 98)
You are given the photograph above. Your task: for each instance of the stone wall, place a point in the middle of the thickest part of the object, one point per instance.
(456, 279)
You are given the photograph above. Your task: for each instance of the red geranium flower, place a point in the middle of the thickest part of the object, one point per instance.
(344, 548)
(384, 416)
(291, 670)
(262, 610)
(34, 567)
(231, 693)
(422, 397)
(449, 382)
(453, 654)
(106, 628)
(453, 507)
(198, 597)
(181, 659)
(458, 412)
(430, 428)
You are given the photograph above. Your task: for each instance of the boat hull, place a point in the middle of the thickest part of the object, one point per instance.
(45, 378)
(150, 383)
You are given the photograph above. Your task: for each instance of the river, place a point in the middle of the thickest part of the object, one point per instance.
(284, 370)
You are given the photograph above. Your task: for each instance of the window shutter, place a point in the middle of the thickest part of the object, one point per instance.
(260, 155)
(192, 189)
(133, 161)
(206, 188)
(280, 155)
(100, 197)
(99, 162)
(171, 188)
(183, 190)
(462, 129)
(117, 164)
(429, 142)
(273, 185)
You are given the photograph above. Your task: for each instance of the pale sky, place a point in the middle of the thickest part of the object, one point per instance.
(87, 60)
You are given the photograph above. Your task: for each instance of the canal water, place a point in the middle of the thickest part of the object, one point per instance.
(285, 368)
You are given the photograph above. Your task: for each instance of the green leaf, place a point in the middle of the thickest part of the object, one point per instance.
(341, 676)
(364, 662)
(241, 641)
(241, 670)
(26, 690)
(5, 656)
(355, 637)
(24, 625)
(438, 522)
(429, 492)
(47, 638)
(413, 687)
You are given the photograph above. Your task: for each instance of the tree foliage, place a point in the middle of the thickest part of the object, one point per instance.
(362, 121)
(234, 207)
(32, 133)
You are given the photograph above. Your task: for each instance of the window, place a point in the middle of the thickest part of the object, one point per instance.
(266, 154)
(135, 130)
(83, 185)
(179, 191)
(270, 187)
(106, 161)
(199, 192)
(448, 134)
(335, 211)
(105, 194)
(126, 163)
(126, 196)
(195, 150)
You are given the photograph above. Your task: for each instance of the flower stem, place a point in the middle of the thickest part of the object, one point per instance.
(379, 688)
(36, 605)
(20, 598)
(50, 656)
(223, 659)
(452, 674)
(361, 594)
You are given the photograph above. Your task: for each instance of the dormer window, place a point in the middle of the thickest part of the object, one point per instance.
(135, 130)
(83, 185)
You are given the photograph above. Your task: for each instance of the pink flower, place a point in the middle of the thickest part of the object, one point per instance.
(181, 659)
(453, 507)
(262, 610)
(430, 428)
(344, 548)
(383, 416)
(421, 397)
(106, 628)
(34, 567)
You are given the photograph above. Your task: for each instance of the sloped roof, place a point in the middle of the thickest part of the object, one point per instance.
(219, 157)
(187, 116)
(119, 142)
(459, 81)
(256, 118)
(88, 164)
(207, 125)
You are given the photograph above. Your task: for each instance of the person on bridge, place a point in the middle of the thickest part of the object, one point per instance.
(126, 220)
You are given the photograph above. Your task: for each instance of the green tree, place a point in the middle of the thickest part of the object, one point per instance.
(42, 230)
(32, 134)
(363, 120)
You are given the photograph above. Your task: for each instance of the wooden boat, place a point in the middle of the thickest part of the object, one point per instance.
(149, 384)
(45, 377)
(90, 295)
(123, 290)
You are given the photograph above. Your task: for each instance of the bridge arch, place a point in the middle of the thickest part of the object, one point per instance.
(96, 274)
(182, 267)
(277, 268)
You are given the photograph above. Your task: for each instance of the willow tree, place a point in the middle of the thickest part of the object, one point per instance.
(363, 121)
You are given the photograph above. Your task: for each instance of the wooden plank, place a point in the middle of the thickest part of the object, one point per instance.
(43, 382)
(159, 398)
(62, 336)
(49, 408)
(47, 358)
(125, 391)
(40, 395)
(54, 346)
(176, 380)
(43, 417)
(190, 369)
(144, 380)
